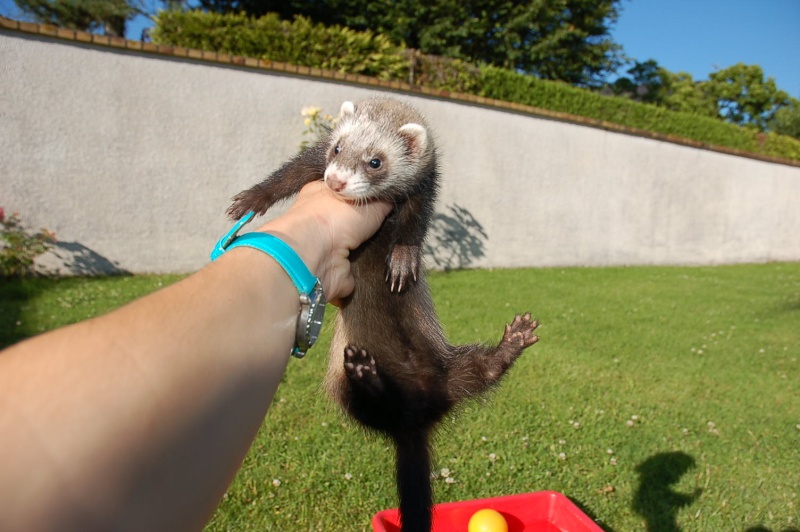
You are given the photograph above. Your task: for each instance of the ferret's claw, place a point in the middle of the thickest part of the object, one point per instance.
(403, 265)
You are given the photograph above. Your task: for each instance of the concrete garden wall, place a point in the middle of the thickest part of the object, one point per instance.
(131, 158)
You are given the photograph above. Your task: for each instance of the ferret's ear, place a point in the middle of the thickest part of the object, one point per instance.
(348, 108)
(416, 139)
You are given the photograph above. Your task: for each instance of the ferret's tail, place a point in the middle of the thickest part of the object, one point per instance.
(414, 481)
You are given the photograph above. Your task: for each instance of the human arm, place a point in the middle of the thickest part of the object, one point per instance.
(138, 419)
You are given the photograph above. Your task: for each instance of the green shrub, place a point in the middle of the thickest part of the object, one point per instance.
(442, 73)
(777, 145)
(299, 42)
(318, 124)
(18, 247)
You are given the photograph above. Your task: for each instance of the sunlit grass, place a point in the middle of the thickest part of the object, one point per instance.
(661, 396)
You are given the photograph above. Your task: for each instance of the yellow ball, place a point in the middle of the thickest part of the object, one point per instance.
(487, 520)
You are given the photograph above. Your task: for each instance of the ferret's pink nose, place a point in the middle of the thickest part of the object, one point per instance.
(334, 183)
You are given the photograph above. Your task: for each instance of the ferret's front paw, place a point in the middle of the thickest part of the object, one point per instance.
(520, 332)
(402, 267)
(249, 200)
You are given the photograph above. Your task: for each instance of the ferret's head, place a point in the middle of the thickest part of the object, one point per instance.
(377, 150)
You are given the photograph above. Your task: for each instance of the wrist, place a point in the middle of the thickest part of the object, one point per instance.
(304, 238)
(277, 244)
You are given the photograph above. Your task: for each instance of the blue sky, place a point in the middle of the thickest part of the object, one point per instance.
(694, 36)
(699, 36)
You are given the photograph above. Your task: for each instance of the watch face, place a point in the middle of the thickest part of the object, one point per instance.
(317, 313)
(309, 325)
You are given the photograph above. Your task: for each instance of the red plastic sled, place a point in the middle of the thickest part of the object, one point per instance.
(542, 511)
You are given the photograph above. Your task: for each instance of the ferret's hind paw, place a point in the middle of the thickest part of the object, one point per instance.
(360, 367)
(520, 332)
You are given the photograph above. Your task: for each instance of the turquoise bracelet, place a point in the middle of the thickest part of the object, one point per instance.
(273, 246)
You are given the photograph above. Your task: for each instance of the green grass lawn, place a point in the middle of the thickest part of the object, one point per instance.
(661, 398)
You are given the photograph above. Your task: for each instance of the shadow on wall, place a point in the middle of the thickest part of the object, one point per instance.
(455, 239)
(655, 500)
(72, 258)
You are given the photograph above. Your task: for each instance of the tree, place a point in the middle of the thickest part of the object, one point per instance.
(786, 119)
(651, 83)
(565, 40)
(648, 82)
(110, 16)
(737, 94)
(744, 97)
(682, 93)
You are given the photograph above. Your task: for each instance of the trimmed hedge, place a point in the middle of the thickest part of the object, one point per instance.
(299, 42)
(337, 48)
(510, 86)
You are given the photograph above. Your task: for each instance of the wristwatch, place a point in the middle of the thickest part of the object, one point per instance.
(312, 298)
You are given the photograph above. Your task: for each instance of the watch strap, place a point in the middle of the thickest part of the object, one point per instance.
(273, 246)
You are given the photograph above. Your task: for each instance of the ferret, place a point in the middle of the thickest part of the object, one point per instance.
(390, 366)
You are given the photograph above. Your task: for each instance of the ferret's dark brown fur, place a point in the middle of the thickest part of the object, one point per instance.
(391, 367)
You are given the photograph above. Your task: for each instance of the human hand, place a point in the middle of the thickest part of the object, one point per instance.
(322, 227)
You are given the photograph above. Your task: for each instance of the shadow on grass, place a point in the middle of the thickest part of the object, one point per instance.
(585, 509)
(793, 305)
(655, 499)
(70, 259)
(15, 292)
(760, 528)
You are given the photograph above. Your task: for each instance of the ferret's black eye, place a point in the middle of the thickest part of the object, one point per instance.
(337, 149)
(375, 164)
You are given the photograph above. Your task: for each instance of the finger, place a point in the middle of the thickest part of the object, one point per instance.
(379, 209)
(372, 215)
(343, 286)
